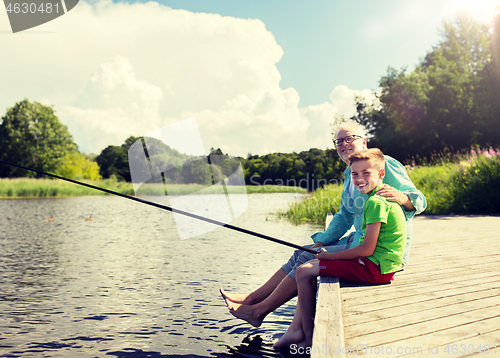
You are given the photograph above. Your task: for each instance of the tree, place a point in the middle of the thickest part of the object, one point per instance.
(453, 70)
(113, 161)
(31, 135)
(488, 90)
(196, 172)
(448, 101)
(76, 166)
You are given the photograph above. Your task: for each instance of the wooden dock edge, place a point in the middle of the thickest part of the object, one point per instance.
(328, 336)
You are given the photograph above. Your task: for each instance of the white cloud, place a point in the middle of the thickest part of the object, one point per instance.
(114, 106)
(344, 99)
(112, 70)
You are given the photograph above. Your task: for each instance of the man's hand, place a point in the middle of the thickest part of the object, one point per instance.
(318, 244)
(393, 194)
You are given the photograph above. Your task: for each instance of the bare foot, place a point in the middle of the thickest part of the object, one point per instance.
(290, 337)
(245, 312)
(236, 298)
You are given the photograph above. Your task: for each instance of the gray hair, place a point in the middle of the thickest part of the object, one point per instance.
(353, 125)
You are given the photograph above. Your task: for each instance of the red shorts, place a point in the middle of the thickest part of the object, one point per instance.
(359, 270)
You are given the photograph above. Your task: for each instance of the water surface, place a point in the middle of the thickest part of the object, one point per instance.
(125, 285)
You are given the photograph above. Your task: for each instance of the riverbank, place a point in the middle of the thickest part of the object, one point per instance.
(50, 188)
(466, 185)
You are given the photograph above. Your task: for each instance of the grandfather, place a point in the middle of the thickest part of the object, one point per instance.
(281, 287)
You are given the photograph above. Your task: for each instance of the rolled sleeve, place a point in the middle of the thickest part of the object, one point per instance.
(397, 177)
(419, 202)
(340, 224)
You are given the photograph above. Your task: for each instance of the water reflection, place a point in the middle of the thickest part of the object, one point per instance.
(124, 285)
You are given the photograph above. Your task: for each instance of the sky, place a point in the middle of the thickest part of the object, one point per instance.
(257, 76)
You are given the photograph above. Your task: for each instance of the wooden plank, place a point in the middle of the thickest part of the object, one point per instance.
(422, 308)
(400, 319)
(439, 288)
(483, 332)
(434, 297)
(328, 338)
(450, 293)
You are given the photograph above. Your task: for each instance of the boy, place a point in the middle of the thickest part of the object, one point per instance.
(373, 261)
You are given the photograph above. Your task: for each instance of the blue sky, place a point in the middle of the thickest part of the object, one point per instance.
(258, 76)
(330, 42)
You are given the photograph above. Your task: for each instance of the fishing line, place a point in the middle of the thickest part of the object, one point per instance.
(164, 207)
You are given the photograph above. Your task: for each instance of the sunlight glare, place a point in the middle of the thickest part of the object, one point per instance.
(481, 10)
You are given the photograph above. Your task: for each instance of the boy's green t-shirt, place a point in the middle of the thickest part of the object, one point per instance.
(392, 237)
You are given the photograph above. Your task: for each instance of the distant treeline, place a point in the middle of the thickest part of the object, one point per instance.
(31, 135)
(309, 169)
(163, 161)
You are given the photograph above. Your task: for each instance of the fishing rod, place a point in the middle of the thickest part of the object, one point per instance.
(164, 207)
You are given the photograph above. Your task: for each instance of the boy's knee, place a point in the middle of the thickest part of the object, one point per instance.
(300, 273)
(304, 270)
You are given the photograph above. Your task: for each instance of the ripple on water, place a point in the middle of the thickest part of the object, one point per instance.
(124, 284)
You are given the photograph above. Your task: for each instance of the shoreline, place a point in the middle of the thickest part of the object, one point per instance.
(34, 188)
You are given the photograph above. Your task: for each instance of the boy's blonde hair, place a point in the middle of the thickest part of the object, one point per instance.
(374, 155)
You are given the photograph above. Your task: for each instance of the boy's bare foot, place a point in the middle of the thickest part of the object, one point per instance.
(290, 337)
(245, 312)
(234, 297)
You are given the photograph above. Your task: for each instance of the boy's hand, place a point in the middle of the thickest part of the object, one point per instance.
(322, 255)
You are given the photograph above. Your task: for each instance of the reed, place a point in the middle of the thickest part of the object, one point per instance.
(53, 188)
(269, 189)
(314, 207)
(50, 188)
(455, 183)
(434, 183)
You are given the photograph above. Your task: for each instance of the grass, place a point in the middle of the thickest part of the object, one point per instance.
(50, 188)
(470, 184)
(465, 183)
(53, 188)
(268, 189)
(453, 183)
(315, 206)
(433, 182)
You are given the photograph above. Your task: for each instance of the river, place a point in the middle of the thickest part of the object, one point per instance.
(123, 284)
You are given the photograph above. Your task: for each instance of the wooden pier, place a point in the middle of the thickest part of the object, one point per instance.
(446, 303)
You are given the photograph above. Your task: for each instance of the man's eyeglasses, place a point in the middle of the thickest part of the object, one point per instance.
(349, 139)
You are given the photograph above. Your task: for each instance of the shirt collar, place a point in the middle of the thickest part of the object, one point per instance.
(375, 190)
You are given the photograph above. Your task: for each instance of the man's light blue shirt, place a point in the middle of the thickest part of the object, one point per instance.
(352, 203)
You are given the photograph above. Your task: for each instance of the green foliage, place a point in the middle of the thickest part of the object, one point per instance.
(75, 166)
(113, 161)
(161, 158)
(272, 189)
(50, 188)
(31, 135)
(475, 189)
(456, 183)
(434, 183)
(53, 188)
(314, 207)
(309, 169)
(196, 172)
(450, 100)
(469, 186)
